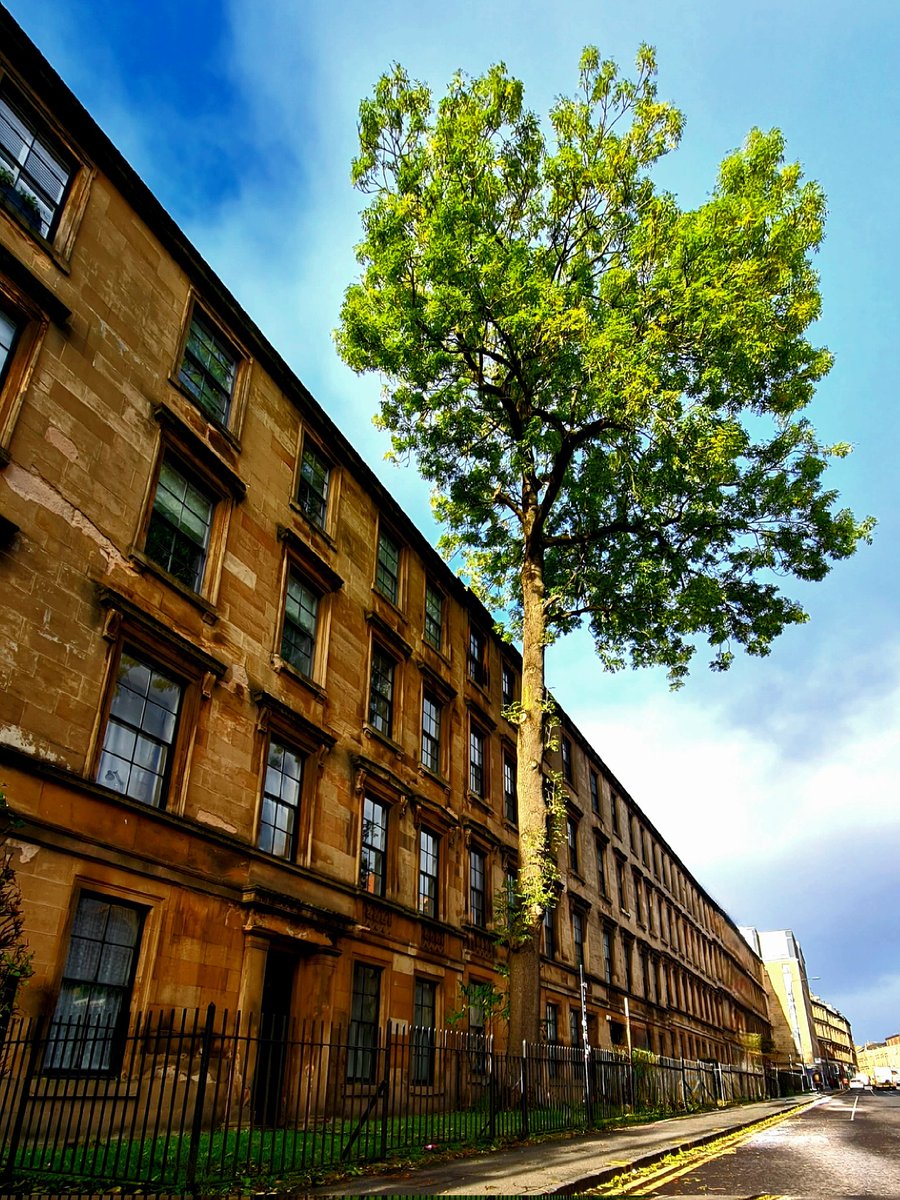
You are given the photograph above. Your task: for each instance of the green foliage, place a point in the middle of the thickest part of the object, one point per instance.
(588, 373)
(606, 391)
(15, 959)
(490, 1002)
(24, 198)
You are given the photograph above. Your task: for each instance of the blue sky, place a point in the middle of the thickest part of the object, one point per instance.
(776, 782)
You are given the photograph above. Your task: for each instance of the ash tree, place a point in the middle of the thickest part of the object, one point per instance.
(606, 391)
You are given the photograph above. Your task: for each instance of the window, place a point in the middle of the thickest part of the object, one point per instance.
(433, 631)
(638, 897)
(578, 936)
(180, 523)
(8, 332)
(431, 733)
(476, 662)
(549, 933)
(601, 866)
(512, 900)
(572, 843)
(92, 1010)
(627, 949)
(298, 636)
(614, 813)
(575, 1035)
(567, 759)
(209, 368)
(477, 765)
(476, 1008)
(381, 691)
(428, 873)
(551, 1022)
(507, 685)
(387, 567)
(606, 937)
(373, 852)
(620, 885)
(363, 1032)
(281, 801)
(33, 175)
(510, 799)
(477, 888)
(422, 1045)
(312, 488)
(140, 732)
(595, 793)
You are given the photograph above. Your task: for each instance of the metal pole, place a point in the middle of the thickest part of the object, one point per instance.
(199, 1099)
(588, 1102)
(630, 1054)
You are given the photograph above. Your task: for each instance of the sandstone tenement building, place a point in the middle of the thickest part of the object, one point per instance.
(251, 722)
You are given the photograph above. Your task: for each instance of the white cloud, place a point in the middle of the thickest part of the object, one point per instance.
(728, 796)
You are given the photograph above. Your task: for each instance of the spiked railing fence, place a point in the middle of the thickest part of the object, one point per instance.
(195, 1101)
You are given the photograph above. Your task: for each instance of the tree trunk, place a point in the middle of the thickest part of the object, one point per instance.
(524, 958)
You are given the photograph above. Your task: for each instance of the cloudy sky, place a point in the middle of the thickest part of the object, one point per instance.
(777, 782)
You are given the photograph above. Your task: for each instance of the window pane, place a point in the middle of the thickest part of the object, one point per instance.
(140, 732)
(96, 987)
(431, 733)
(363, 1032)
(422, 1041)
(387, 570)
(434, 617)
(381, 692)
(312, 491)
(476, 659)
(8, 330)
(510, 799)
(373, 847)
(476, 762)
(477, 910)
(428, 872)
(180, 523)
(208, 370)
(299, 634)
(281, 801)
(39, 175)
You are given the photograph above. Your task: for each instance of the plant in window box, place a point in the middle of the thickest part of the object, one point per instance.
(20, 202)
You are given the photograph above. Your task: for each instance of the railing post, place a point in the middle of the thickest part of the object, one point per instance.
(684, 1099)
(8, 1173)
(524, 1088)
(199, 1100)
(386, 1088)
(492, 1089)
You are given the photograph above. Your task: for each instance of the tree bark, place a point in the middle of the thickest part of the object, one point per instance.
(524, 956)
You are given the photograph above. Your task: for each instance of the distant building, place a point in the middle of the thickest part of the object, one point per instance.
(879, 1054)
(835, 1038)
(794, 1040)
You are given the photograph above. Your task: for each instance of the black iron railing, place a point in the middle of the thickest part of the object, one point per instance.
(190, 1101)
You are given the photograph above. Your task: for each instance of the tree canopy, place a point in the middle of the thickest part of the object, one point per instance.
(606, 391)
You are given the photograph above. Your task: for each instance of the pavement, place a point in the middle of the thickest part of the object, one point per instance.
(564, 1166)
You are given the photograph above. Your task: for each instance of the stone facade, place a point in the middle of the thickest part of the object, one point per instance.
(251, 723)
(835, 1040)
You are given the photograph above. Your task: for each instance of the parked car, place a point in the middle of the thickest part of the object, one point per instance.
(858, 1082)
